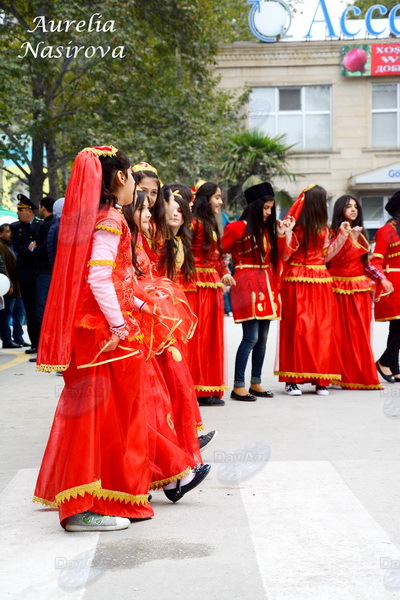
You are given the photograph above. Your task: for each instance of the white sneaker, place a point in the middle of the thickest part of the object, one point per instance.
(321, 390)
(291, 389)
(91, 521)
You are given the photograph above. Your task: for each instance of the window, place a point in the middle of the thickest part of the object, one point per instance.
(385, 115)
(373, 211)
(302, 113)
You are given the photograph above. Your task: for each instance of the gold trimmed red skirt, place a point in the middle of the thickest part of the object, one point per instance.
(97, 455)
(308, 348)
(206, 349)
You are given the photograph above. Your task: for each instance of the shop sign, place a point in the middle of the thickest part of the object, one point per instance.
(389, 174)
(366, 60)
(369, 26)
(270, 21)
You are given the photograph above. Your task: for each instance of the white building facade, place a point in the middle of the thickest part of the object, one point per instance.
(337, 100)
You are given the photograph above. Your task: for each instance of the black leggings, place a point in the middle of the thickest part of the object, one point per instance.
(390, 358)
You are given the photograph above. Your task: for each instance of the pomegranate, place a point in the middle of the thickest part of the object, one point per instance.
(355, 60)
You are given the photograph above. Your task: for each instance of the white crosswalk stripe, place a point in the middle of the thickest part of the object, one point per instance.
(43, 562)
(313, 538)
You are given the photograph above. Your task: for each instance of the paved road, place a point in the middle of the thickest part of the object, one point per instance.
(302, 503)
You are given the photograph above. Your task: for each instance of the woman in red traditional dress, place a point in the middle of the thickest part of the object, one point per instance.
(206, 350)
(96, 461)
(177, 262)
(352, 276)
(255, 298)
(386, 258)
(170, 408)
(308, 350)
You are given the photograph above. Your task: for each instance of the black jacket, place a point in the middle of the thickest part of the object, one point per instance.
(22, 236)
(40, 255)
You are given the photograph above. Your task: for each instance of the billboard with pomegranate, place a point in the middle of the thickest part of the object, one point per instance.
(375, 60)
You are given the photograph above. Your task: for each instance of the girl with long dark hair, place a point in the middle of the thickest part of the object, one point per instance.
(176, 258)
(171, 409)
(146, 177)
(255, 298)
(96, 462)
(308, 349)
(352, 276)
(206, 350)
(178, 262)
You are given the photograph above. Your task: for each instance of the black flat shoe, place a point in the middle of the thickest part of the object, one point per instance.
(246, 398)
(12, 345)
(388, 378)
(206, 439)
(266, 394)
(201, 473)
(22, 343)
(210, 401)
(31, 350)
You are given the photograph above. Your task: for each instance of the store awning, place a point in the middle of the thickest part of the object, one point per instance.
(387, 178)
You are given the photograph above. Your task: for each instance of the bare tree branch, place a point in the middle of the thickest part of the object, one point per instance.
(20, 148)
(11, 9)
(16, 174)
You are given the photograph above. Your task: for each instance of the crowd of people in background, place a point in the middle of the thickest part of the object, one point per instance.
(125, 285)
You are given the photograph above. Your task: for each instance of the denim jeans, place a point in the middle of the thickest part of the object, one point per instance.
(227, 303)
(255, 334)
(14, 314)
(28, 293)
(5, 317)
(42, 289)
(18, 318)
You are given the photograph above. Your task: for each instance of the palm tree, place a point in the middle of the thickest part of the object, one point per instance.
(251, 153)
(253, 157)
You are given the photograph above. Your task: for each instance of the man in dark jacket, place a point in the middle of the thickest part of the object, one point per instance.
(38, 247)
(10, 261)
(22, 235)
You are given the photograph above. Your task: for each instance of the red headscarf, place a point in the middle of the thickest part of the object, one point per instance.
(297, 206)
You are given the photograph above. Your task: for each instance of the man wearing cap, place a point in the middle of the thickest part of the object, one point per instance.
(23, 232)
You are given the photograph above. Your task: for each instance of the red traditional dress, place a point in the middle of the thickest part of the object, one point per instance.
(167, 373)
(206, 349)
(308, 350)
(181, 379)
(97, 455)
(352, 290)
(255, 295)
(386, 258)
